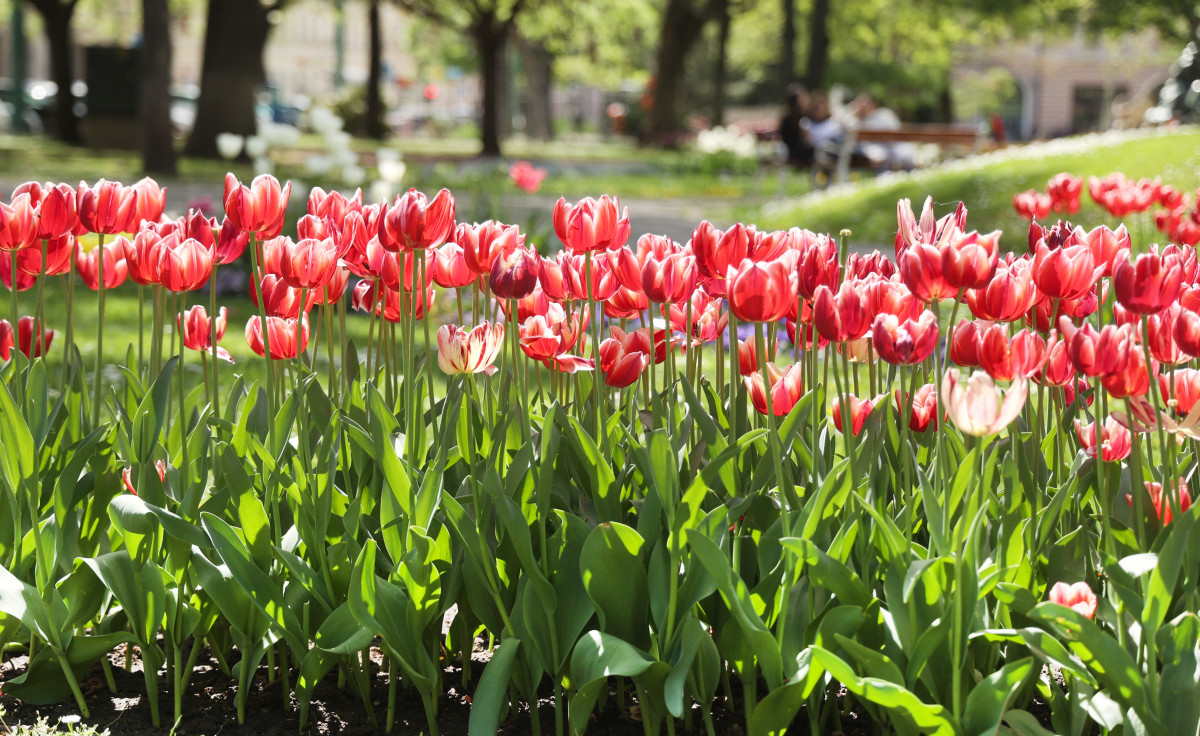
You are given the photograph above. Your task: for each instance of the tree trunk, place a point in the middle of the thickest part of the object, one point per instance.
(787, 59)
(374, 124)
(489, 37)
(721, 72)
(234, 39)
(154, 99)
(681, 26)
(57, 18)
(818, 45)
(539, 75)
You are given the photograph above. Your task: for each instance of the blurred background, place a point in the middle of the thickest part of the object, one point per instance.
(689, 103)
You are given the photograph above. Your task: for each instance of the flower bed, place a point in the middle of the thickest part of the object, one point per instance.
(864, 504)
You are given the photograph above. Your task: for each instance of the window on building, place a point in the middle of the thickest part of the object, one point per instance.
(1091, 106)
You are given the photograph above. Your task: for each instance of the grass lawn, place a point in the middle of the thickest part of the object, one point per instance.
(987, 183)
(575, 168)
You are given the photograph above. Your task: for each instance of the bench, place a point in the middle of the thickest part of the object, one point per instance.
(964, 137)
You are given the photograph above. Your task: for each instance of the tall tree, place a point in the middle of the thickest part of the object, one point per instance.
(538, 64)
(721, 70)
(683, 22)
(56, 18)
(234, 40)
(818, 45)
(154, 99)
(374, 124)
(787, 56)
(488, 23)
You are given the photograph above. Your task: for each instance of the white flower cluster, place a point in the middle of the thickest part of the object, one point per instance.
(726, 139)
(1080, 144)
(338, 161)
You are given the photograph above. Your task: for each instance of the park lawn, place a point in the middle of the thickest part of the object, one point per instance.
(868, 208)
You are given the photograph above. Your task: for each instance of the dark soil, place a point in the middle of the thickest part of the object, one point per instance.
(209, 707)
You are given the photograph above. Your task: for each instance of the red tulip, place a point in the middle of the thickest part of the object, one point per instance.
(1007, 296)
(552, 276)
(1148, 283)
(308, 264)
(283, 335)
(259, 208)
(514, 273)
(921, 271)
(670, 280)
(844, 316)
(526, 176)
(626, 304)
(927, 230)
(860, 409)
(787, 386)
(1064, 190)
(400, 270)
(377, 298)
(591, 225)
(482, 243)
(56, 214)
(281, 300)
(603, 283)
(818, 266)
(1180, 389)
(1096, 353)
(449, 269)
(413, 222)
(1108, 246)
(907, 342)
(32, 342)
(1116, 441)
(1162, 506)
(24, 279)
(1032, 204)
(148, 200)
(1131, 378)
(1004, 360)
(889, 297)
(1060, 235)
(231, 242)
(115, 269)
(621, 362)
(717, 251)
(460, 351)
(860, 266)
(969, 261)
(547, 336)
(18, 224)
(333, 205)
(1186, 331)
(1161, 329)
(58, 258)
(1059, 371)
(184, 266)
(965, 340)
(748, 357)
(1078, 597)
(335, 287)
(196, 330)
(759, 292)
(708, 318)
(108, 208)
(924, 408)
(1065, 273)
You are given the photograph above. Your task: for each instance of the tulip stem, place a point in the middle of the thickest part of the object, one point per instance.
(848, 421)
(185, 470)
(212, 336)
(141, 327)
(733, 379)
(99, 332)
(256, 283)
(1170, 492)
(601, 437)
(69, 346)
(784, 496)
(1102, 473)
(429, 349)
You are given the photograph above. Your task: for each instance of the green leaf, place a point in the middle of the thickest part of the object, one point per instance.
(150, 414)
(615, 580)
(989, 699)
(490, 701)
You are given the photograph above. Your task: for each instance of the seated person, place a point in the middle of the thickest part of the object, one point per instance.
(794, 137)
(824, 131)
(872, 116)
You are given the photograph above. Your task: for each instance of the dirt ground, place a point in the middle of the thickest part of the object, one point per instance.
(209, 707)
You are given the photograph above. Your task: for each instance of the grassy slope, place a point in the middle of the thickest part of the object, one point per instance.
(869, 208)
